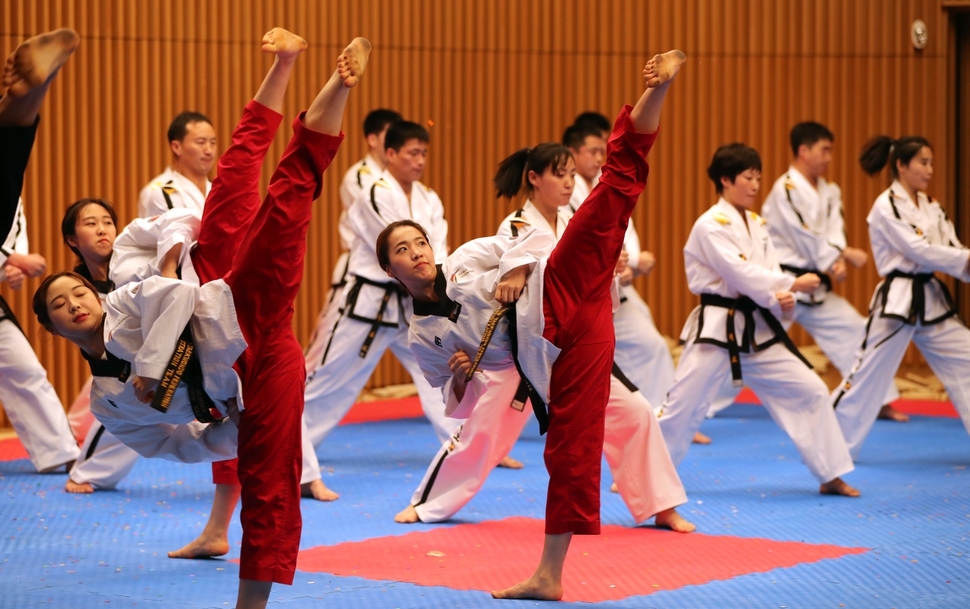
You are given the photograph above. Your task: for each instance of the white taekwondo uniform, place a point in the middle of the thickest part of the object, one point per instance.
(733, 266)
(909, 243)
(641, 351)
(635, 451)
(138, 254)
(28, 397)
(372, 313)
(171, 190)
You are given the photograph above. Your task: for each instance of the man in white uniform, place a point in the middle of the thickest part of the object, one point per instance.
(184, 183)
(372, 310)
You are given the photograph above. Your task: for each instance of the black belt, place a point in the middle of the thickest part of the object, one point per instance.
(113, 367)
(917, 308)
(9, 316)
(798, 272)
(390, 288)
(748, 307)
(525, 387)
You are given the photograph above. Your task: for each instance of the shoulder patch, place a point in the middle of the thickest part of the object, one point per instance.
(755, 216)
(382, 183)
(364, 169)
(789, 183)
(721, 218)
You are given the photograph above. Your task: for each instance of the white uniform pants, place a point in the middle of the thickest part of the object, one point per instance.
(837, 329)
(333, 385)
(946, 347)
(641, 351)
(31, 403)
(634, 448)
(795, 397)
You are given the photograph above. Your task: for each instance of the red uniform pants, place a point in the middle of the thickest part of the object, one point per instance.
(578, 320)
(259, 251)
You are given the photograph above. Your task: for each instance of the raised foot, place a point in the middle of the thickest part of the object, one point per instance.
(510, 463)
(351, 63)
(888, 413)
(203, 547)
(318, 490)
(408, 515)
(78, 487)
(614, 488)
(838, 487)
(670, 519)
(283, 43)
(662, 68)
(38, 59)
(537, 588)
(700, 438)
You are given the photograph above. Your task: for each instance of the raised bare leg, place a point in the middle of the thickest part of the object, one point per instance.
(318, 490)
(546, 583)
(838, 487)
(408, 515)
(670, 519)
(29, 71)
(657, 75)
(286, 46)
(327, 111)
(214, 540)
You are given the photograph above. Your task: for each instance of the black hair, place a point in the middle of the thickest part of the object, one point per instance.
(882, 149)
(807, 134)
(729, 161)
(595, 120)
(513, 169)
(377, 120)
(402, 132)
(179, 125)
(383, 245)
(39, 302)
(575, 135)
(69, 222)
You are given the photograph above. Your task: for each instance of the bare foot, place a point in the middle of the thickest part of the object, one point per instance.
(204, 546)
(888, 413)
(283, 43)
(318, 490)
(670, 519)
(510, 463)
(700, 438)
(662, 68)
(37, 59)
(614, 488)
(408, 515)
(78, 487)
(351, 63)
(838, 487)
(536, 587)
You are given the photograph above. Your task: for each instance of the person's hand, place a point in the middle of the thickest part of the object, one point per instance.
(232, 411)
(15, 277)
(646, 263)
(806, 283)
(510, 288)
(144, 388)
(626, 276)
(33, 265)
(855, 257)
(837, 271)
(459, 364)
(622, 262)
(786, 300)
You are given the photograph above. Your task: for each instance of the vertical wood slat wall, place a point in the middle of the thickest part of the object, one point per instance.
(486, 78)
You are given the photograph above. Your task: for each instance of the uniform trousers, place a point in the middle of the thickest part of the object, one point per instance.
(31, 402)
(641, 351)
(260, 251)
(336, 374)
(946, 347)
(578, 320)
(633, 444)
(795, 397)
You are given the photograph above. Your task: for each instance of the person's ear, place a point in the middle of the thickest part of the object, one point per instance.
(533, 177)
(726, 181)
(176, 147)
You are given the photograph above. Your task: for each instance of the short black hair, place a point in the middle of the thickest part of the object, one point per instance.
(377, 120)
(595, 120)
(179, 125)
(729, 161)
(402, 132)
(807, 133)
(575, 136)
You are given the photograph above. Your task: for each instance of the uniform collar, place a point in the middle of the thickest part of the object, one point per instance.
(899, 193)
(444, 307)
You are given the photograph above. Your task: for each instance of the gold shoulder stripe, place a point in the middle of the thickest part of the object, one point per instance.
(382, 184)
(721, 218)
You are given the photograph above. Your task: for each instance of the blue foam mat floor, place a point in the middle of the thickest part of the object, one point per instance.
(109, 548)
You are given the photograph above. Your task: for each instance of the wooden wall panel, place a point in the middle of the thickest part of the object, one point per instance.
(486, 78)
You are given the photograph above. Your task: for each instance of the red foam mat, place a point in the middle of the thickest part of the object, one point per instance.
(384, 410)
(11, 449)
(620, 563)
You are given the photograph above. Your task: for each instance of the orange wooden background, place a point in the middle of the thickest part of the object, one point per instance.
(486, 78)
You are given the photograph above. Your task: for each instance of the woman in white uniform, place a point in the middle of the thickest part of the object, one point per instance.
(911, 239)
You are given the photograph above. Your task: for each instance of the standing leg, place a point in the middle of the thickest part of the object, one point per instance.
(641, 351)
(103, 463)
(946, 347)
